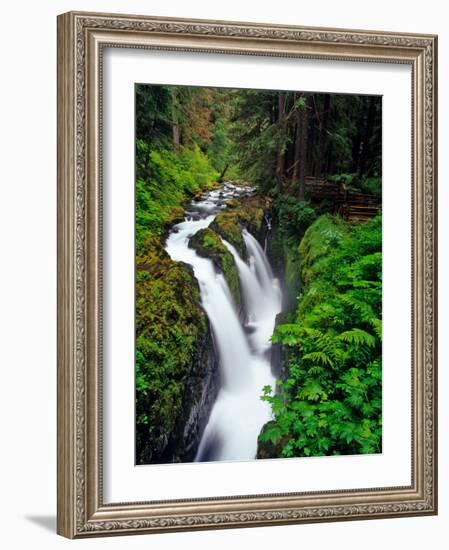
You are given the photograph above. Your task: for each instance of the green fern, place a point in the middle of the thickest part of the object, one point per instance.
(330, 401)
(358, 337)
(377, 326)
(318, 357)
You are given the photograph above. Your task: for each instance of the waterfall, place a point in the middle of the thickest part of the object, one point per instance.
(238, 413)
(261, 294)
(268, 224)
(258, 260)
(216, 300)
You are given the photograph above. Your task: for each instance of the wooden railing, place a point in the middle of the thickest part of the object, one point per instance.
(352, 205)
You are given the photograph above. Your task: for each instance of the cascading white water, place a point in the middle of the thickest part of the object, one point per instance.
(261, 294)
(238, 413)
(258, 260)
(216, 299)
(268, 224)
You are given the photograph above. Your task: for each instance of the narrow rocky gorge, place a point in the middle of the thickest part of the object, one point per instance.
(241, 298)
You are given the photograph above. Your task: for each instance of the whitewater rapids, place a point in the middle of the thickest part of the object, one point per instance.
(238, 413)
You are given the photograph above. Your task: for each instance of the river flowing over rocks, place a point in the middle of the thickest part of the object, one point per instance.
(241, 332)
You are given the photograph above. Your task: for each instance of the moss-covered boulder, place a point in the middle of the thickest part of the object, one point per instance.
(175, 214)
(232, 203)
(246, 212)
(320, 239)
(251, 214)
(208, 244)
(176, 367)
(227, 225)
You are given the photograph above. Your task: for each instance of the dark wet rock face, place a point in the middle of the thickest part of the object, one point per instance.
(200, 391)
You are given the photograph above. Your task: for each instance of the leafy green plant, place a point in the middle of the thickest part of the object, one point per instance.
(165, 178)
(372, 185)
(295, 216)
(330, 401)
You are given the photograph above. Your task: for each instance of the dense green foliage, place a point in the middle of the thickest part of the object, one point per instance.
(330, 399)
(294, 217)
(371, 184)
(165, 178)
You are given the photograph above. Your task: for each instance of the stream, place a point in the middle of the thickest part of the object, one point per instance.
(238, 413)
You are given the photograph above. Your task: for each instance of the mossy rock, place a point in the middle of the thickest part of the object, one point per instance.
(208, 244)
(323, 236)
(232, 203)
(247, 212)
(210, 186)
(171, 327)
(174, 215)
(228, 226)
(252, 212)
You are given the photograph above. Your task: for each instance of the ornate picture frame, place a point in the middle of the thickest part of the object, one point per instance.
(82, 38)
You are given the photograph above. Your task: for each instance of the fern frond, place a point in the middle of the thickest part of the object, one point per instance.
(365, 310)
(358, 337)
(319, 357)
(377, 326)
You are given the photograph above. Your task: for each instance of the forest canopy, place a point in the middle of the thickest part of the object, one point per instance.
(271, 138)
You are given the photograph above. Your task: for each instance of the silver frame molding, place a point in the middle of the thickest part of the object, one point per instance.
(81, 38)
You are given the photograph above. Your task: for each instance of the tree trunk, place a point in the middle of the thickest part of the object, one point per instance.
(223, 172)
(367, 136)
(295, 175)
(323, 143)
(303, 120)
(299, 172)
(280, 165)
(175, 121)
(357, 141)
(176, 136)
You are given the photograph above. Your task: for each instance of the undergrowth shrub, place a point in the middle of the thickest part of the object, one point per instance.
(330, 401)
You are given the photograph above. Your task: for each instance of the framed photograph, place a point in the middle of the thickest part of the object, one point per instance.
(246, 274)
